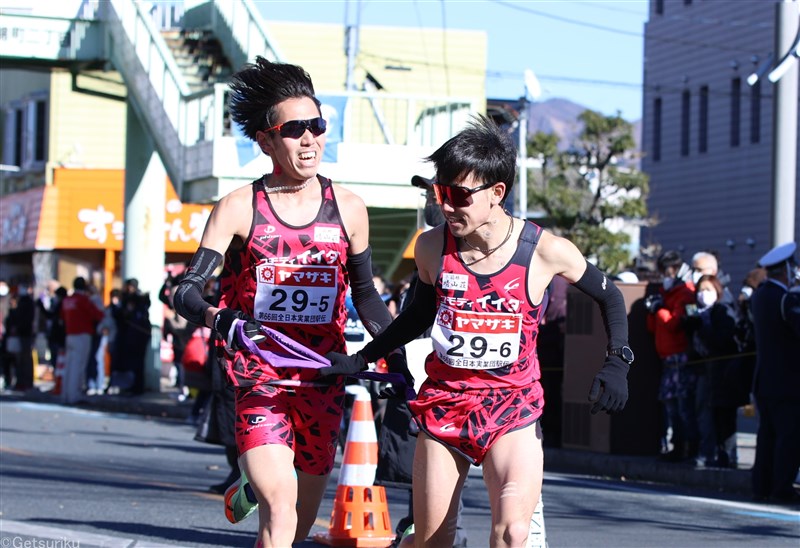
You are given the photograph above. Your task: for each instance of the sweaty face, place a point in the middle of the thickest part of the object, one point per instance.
(464, 219)
(299, 157)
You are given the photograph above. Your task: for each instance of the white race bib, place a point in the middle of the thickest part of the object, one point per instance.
(290, 293)
(476, 340)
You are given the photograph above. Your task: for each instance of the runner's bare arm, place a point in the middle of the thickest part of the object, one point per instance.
(558, 256)
(231, 217)
(355, 219)
(428, 253)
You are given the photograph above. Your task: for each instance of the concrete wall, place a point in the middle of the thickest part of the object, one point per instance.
(85, 130)
(423, 51)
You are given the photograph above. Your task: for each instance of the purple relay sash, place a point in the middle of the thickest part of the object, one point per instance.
(293, 354)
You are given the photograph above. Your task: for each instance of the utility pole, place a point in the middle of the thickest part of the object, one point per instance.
(523, 157)
(534, 91)
(351, 42)
(784, 128)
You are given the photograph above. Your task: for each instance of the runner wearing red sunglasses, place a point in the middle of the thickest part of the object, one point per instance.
(482, 282)
(292, 244)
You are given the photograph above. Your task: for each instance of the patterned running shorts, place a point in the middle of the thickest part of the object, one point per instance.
(470, 422)
(305, 419)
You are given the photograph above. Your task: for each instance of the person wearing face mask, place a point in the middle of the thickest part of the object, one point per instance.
(666, 310)
(719, 391)
(707, 263)
(776, 383)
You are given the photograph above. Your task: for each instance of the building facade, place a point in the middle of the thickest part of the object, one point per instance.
(707, 134)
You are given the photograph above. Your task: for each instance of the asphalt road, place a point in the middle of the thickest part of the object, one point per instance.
(85, 478)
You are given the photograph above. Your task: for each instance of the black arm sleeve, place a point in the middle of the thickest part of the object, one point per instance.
(410, 324)
(188, 300)
(372, 311)
(612, 306)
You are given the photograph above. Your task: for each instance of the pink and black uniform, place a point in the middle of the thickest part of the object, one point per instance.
(483, 373)
(292, 279)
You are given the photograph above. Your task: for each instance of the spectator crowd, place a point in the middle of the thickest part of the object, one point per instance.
(704, 329)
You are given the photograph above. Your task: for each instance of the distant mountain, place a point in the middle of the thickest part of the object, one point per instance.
(557, 116)
(560, 116)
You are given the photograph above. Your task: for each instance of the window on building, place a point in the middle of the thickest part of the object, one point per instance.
(702, 135)
(755, 112)
(657, 129)
(736, 110)
(686, 105)
(25, 133)
(16, 147)
(659, 7)
(40, 125)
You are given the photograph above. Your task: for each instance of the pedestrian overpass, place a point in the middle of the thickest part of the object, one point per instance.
(181, 129)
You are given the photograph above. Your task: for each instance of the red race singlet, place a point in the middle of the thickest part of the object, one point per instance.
(292, 279)
(484, 335)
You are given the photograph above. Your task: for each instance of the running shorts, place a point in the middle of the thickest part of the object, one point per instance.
(469, 422)
(307, 419)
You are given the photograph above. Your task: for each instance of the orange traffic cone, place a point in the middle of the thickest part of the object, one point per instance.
(360, 515)
(61, 360)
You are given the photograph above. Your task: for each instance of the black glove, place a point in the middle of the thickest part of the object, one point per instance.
(653, 303)
(613, 379)
(396, 362)
(225, 323)
(342, 364)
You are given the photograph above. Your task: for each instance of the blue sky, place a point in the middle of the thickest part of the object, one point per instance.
(588, 51)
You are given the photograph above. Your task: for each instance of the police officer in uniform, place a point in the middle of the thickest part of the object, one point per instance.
(776, 386)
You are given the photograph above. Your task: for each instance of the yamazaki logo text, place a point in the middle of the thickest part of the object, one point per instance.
(475, 322)
(298, 275)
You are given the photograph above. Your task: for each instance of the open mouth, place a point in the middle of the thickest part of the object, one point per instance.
(306, 156)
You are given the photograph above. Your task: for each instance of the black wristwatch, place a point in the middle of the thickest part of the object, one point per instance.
(623, 352)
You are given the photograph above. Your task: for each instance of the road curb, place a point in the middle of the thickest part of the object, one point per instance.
(647, 469)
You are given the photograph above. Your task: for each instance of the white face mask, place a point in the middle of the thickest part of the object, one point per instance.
(747, 291)
(706, 297)
(696, 275)
(668, 283)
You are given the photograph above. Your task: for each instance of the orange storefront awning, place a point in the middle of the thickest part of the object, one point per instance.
(84, 209)
(408, 253)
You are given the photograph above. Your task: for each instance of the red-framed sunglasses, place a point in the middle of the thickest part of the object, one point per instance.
(294, 129)
(458, 196)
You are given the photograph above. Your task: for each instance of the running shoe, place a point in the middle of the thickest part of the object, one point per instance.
(240, 501)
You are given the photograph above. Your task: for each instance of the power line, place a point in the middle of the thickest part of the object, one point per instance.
(571, 79)
(659, 89)
(565, 19)
(604, 6)
(650, 36)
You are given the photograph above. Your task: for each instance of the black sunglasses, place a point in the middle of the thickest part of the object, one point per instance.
(458, 196)
(294, 129)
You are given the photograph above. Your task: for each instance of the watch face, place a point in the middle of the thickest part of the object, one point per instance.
(627, 354)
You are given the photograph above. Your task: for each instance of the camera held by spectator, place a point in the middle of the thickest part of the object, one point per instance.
(653, 303)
